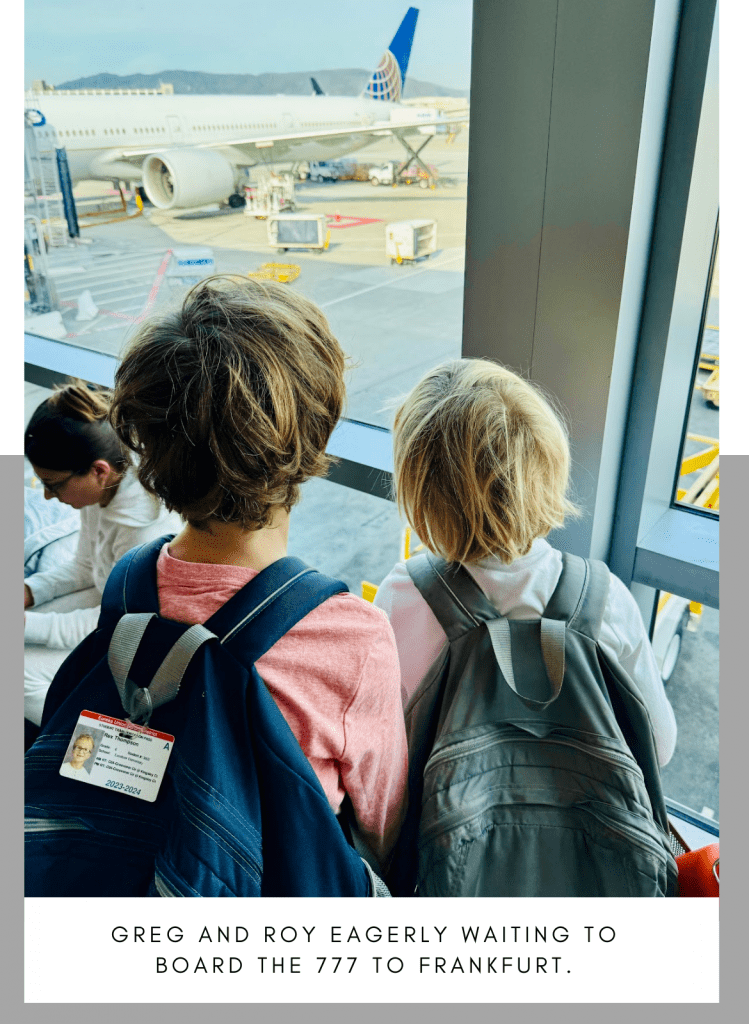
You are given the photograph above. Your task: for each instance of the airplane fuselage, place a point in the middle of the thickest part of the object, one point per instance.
(92, 127)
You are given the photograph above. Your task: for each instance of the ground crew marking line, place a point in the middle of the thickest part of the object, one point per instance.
(385, 284)
(158, 281)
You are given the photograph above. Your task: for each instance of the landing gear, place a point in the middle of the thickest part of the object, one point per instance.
(236, 201)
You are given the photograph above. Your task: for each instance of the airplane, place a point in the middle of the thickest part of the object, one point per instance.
(189, 151)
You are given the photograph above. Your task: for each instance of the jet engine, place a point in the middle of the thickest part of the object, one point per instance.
(181, 178)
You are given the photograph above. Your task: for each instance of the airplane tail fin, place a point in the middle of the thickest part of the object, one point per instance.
(316, 90)
(389, 78)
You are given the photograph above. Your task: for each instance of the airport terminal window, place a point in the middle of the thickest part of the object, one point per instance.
(697, 485)
(396, 313)
(692, 776)
(394, 319)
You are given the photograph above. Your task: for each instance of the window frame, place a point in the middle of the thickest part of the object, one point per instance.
(660, 545)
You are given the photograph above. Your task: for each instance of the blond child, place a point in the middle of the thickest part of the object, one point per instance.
(481, 474)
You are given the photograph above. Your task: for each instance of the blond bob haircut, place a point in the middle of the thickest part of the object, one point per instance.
(481, 462)
(229, 401)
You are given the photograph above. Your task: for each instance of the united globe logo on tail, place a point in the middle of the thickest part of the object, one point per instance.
(385, 83)
(388, 80)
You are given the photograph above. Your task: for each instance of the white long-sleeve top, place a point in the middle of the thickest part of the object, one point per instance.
(132, 517)
(521, 590)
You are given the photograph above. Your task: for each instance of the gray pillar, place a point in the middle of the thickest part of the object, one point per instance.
(557, 99)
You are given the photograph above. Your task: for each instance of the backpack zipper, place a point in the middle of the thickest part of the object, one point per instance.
(631, 835)
(456, 750)
(162, 886)
(53, 825)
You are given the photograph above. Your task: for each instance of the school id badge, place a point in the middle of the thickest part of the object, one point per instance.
(114, 754)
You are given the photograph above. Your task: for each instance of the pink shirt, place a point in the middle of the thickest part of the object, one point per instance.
(336, 680)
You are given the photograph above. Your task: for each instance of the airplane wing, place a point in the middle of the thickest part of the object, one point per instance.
(376, 128)
(284, 143)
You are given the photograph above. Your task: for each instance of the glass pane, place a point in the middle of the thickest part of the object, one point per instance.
(365, 547)
(685, 641)
(180, 204)
(699, 479)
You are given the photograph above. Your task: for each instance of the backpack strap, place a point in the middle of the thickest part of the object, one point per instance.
(579, 598)
(459, 605)
(458, 602)
(131, 585)
(272, 602)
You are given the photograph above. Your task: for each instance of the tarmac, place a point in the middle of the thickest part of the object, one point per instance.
(394, 322)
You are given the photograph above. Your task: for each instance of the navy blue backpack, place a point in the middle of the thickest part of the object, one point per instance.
(240, 811)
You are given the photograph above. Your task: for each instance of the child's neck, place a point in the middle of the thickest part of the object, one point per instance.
(229, 544)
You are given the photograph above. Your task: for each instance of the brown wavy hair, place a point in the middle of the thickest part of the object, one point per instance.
(230, 400)
(481, 462)
(70, 430)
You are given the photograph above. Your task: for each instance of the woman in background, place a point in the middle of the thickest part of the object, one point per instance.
(79, 460)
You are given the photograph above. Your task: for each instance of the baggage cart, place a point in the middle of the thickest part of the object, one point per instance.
(410, 240)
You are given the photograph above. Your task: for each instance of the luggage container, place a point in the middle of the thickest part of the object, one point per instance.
(298, 231)
(190, 264)
(410, 239)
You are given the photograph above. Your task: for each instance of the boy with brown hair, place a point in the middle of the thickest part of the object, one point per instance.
(229, 403)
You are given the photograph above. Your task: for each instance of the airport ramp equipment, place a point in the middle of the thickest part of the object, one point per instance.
(407, 240)
(711, 387)
(273, 193)
(191, 263)
(285, 273)
(298, 231)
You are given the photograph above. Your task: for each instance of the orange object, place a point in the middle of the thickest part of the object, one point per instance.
(699, 871)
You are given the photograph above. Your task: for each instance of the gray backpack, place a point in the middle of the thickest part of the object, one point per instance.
(533, 769)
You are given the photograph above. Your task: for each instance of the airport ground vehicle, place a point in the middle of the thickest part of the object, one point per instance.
(385, 174)
(323, 170)
(272, 193)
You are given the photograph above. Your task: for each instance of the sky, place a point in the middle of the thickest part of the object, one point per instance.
(86, 37)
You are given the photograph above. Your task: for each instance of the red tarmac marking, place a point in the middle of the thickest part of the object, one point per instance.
(149, 301)
(338, 220)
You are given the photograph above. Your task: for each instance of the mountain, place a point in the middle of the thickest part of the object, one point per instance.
(340, 82)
